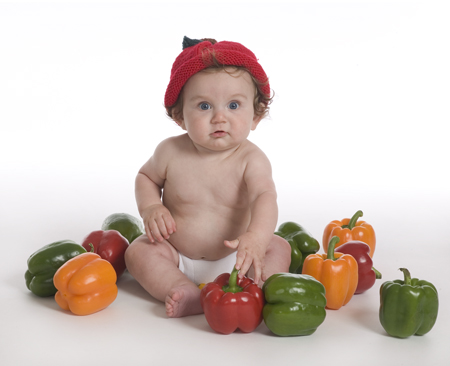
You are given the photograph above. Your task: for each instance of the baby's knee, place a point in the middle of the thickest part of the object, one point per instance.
(136, 249)
(130, 253)
(281, 245)
(141, 251)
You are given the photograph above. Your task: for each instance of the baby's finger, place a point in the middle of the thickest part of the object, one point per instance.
(245, 266)
(162, 229)
(169, 223)
(240, 257)
(148, 231)
(155, 231)
(232, 244)
(263, 272)
(258, 271)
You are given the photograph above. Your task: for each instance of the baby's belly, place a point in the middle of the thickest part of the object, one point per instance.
(203, 238)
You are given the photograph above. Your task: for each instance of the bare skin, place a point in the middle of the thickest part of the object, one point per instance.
(207, 194)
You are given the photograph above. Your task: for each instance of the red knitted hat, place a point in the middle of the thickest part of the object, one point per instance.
(197, 56)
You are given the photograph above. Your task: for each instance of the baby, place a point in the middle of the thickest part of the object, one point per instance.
(207, 197)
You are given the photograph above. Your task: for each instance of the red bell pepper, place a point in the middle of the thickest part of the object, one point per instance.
(230, 303)
(367, 274)
(109, 245)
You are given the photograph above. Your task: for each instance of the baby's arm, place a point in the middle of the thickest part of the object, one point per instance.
(253, 244)
(158, 222)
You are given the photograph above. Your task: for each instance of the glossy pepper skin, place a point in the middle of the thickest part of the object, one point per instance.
(43, 264)
(301, 242)
(110, 245)
(129, 226)
(295, 304)
(367, 274)
(231, 303)
(337, 272)
(86, 284)
(408, 307)
(350, 229)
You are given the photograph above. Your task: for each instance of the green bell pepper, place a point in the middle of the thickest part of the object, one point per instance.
(295, 304)
(129, 226)
(43, 264)
(301, 242)
(408, 307)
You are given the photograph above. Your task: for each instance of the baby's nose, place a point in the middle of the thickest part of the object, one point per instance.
(219, 117)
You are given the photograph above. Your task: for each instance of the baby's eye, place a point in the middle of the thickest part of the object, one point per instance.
(233, 105)
(204, 106)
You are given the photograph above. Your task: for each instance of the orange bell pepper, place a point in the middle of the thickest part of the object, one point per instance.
(348, 230)
(337, 272)
(86, 284)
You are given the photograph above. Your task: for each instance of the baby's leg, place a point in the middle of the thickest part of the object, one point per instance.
(277, 259)
(155, 267)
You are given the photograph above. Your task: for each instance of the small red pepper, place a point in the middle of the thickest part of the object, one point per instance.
(367, 274)
(109, 245)
(230, 303)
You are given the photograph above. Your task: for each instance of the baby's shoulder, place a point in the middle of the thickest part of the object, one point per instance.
(250, 151)
(172, 144)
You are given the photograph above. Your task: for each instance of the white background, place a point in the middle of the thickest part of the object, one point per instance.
(359, 121)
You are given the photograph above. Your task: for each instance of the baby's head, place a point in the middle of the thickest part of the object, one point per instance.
(209, 55)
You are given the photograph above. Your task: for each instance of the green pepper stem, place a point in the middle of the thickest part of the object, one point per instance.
(92, 248)
(353, 220)
(377, 273)
(232, 283)
(407, 276)
(331, 245)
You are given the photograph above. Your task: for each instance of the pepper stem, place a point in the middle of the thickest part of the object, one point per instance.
(353, 220)
(377, 273)
(407, 276)
(92, 248)
(232, 283)
(331, 245)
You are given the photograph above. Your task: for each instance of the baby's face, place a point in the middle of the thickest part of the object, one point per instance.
(218, 111)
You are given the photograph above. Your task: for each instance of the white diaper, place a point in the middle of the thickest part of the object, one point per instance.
(203, 271)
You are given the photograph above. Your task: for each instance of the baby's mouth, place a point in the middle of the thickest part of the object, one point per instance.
(218, 133)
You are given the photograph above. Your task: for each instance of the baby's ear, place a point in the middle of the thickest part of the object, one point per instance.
(179, 120)
(255, 123)
(256, 120)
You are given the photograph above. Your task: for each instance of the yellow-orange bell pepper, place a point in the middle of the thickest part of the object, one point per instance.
(337, 272)
(86, 284)
(349, 230)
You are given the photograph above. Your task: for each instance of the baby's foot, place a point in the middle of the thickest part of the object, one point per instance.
(182, 301)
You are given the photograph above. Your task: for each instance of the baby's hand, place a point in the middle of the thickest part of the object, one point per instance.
(158, 222)
(249, 252)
